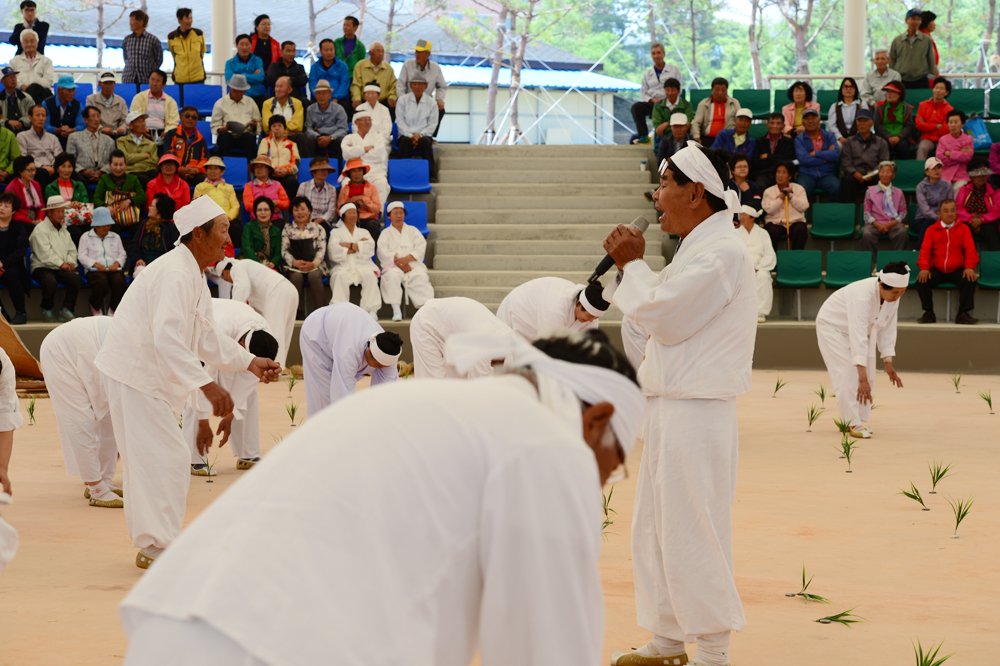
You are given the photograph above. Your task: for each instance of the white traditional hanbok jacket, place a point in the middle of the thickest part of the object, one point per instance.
(352, 264)
(253, 281)
(381, 120)
(855, 312)
(416, 524)
(10, 406)
(700, 313)
(353, 146)
(162, 331)
(759, 245)
(542, 304)
(393, 243)
(68, 355)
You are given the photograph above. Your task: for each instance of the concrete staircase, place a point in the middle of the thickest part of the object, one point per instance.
(509, 214)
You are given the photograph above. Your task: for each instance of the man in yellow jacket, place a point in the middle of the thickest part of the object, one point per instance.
(187, 46)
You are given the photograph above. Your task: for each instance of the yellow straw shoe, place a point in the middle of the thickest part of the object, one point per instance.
(636, 659)
(860, 432)
(244, 463)
(143, 561)
(116, 491)
(202, 469)
(115, 502)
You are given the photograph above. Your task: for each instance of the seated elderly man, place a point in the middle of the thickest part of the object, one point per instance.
(374, 70)
(42, 146)
(771, 150)
(159, 107)
(320, 193)
(817, 151)
(141, 155)
(53, 261)
(764, 259)
(416, 119)
(544, 304)
(15, 104)
(680, 134)
(187, 144)
(737, 140)
(236, 120)
(326, 122)
(860, 156)
(370, 147)
(64, 117)
(292, 110)
(379, 112)
(401, 249)
(113, 108)
(350, 251)
(91, 147)
(885, 212)
(715, 113)
(35, 72)
(948, 254)
(664, 110)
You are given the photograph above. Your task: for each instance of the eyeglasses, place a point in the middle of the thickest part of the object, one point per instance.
(621, 472)
(190, 116)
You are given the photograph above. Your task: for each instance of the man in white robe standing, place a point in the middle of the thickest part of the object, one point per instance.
(537, 306)
(853, 321)
(250, 330)
(371, 148)
(151, 359)
(700, 315)
(350, 250)
(340, 344)
(80, 404)
(438, 320)
(762, 253)
(268, 292)
(401, 250)
(470, 522)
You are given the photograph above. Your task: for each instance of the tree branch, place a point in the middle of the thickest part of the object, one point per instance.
(823, 23)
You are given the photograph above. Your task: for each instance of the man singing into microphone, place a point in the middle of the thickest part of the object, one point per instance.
(700, 315)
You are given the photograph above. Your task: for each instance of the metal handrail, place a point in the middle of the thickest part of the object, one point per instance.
(90, 74)
(965, 76)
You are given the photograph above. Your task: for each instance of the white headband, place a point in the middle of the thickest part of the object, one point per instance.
(693, 163)
(394, 205)
(346, 207)
(592, 309)
(750, 210)
(379, 355)
(895, 280)
(371, 87)
(590, 383)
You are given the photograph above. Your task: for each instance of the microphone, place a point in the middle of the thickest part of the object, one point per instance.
(607, 262)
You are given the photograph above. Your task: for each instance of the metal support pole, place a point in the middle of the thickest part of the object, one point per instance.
(855, 14)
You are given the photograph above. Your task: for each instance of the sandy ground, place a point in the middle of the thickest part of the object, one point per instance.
(867, 547)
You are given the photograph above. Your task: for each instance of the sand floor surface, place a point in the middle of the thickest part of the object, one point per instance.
(868, 548)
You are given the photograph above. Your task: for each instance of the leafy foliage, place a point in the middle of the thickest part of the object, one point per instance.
(961, 507)
(292, 408)
(808, 596)
(987, 396)
(821, 392)
(846, 618)
(847, 448)
(609, 514)
(31, 410)
(913, 494)
(778, 385)
(930, 657)
(813, 414)
(956, 379)
(939, 472)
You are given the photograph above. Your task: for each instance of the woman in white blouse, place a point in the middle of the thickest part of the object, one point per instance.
(840, 119)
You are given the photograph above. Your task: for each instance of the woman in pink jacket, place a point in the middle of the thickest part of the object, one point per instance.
(979, 206)
(801, 96)
(955, 149)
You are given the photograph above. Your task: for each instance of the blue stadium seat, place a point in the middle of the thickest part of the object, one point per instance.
(237, 174)
(416, 215)
(203, 97)
(205, 127)
(395, 137)
(410, 176)
(126, 91)
(83, 90)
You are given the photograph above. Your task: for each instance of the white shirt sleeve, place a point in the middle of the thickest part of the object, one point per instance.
(241, 282)
(858, 312)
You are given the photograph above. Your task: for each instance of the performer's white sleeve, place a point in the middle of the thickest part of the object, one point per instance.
(887, 339)
(241, 282)
(170, 319)
(216, 349)
(858, 313)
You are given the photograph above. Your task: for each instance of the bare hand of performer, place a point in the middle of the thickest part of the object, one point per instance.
(864, 388)
(265, 369)
(625, 244)
(204, 438)
(225, 427)
(219, 398)
(893, 377)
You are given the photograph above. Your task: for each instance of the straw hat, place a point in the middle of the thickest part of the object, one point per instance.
(216, 161)
(262, 159)
(320, 163)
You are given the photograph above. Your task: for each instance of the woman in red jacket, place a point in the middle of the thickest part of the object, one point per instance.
(169, 183)
(28, 191)
(261, 44)
(932, 118)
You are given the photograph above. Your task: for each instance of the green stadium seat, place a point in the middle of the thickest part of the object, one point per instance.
(909, 173)
(758, 101)
(695, 95)
(832, 221)
(994, 128)
(911, 212)
(843, 268)
(969, 100)
(915, 97)
(758, 130)
(994, 105)
(989, 274)
(909, 256)
(825, 98)
(799, 269)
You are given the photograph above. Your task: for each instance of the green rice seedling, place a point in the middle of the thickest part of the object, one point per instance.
(961, 508)
(874, 406)
(609, 514)
(31, 411)
(846, 618)
(939, 472)
(276, 438)
(292, 408)
(913, 494)
(843, 425)
(813, 414)
(291, 380)
(956, 379)
(987, 395)
(777, 386)
(847, 448)
(808, 596)
(929, 658)
(821, 392)
(210, 466)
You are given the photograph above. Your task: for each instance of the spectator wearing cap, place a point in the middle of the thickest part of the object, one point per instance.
(326, 121)
(155, 237)
(378, 112)
(932, 118)
(979, 205)
(680, 134)
(250, 67)
(29, 21)
(334, 71)
(884, 212)
(800, 95)
(142, 51)
(188, 145)
(771, 150)
(15, 104)
(714, 113)
(187, 46)
(159, 107)
(292, 110)
(113, 108)
(53, 261)
(431, 73)
(9, 151)
(762, 252)
(283, 153)
(218, 190)
(912, 54)
(139, 150)
(375, 70)
(931, 191)
(860, 156)
(35, 72)
(841, 119)
(737, 141)
(948, 254)
(400, 250)
(236, 120)
(750, 193)
(416, 118)
(64, 117)
(41, 145)
(261, 43)
(369, 146)
(121, 192)
(873, 85)
(262, 185)
(817, 152)
(363, 194)
(13, 249)
(651, 91)
(287, 67)
(785, 205)
(169, 182)
(321, 194)
(894, 120)
(103, 257)
(955, 149)
(349, 48)
(303, 250)
(671, 103)
(30, 209)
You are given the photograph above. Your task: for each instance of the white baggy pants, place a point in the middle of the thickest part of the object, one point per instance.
(682, 550)
(244, 440)
(418, 285)
(765, 292)
(88, 445)
(836, 350)
(155, 462)
(279, 309)
(340, 285)
(162, 641)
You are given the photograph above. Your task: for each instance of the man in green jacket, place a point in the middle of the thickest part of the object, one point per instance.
(9, 151)
(671, 103)
(349, 48)
(912, 54)
(141, 154)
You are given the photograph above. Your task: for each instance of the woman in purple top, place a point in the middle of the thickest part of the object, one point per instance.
(931, 191)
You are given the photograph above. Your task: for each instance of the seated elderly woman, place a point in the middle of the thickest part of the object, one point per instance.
(801, 96)
(884, 211)
(262, 235)
(13, 248)
(28, 191)
(156, 236)
(303, 247)
(979, 205)
(750, 193)
(80, 211)
(785, 205)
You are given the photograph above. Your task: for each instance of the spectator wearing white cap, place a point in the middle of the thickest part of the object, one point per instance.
(381, 118)
(53, 260)
(931, 191)
(369, 146)
(764, 259)
(113, 108)
(677, 138)
(420, 64)
(103, 257)
(737, 140)
(141, 155)
(236, 120)
(401, 250)
(350, 250)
